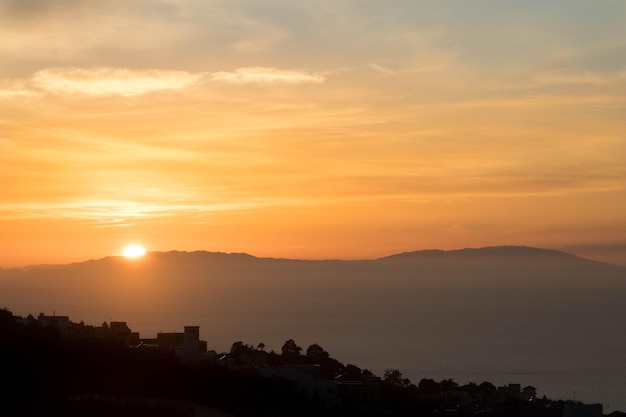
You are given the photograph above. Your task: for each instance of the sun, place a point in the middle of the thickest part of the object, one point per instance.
(134, 251)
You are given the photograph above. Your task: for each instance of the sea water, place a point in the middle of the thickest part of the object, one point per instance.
(569, 344)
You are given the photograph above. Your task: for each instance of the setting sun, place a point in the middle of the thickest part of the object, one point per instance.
(134, 251)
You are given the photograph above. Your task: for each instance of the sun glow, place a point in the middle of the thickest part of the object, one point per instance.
(134, 251)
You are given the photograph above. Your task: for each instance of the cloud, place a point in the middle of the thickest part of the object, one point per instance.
(111, 81)
(107, 81)
(123, 213)
(267, 75)
(16, 88)
(382, 70)
(13, 93)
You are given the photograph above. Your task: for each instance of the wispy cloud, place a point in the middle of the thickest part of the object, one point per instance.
(12, 89)
(119, 213)
(381, 69)
(267, 75)
(106, 81)
(111, 81)
(11, 93)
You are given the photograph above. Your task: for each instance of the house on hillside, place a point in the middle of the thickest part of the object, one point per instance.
(528, 393)
(305, 381)
(170, 340)
(363, 394)
(582, 410)
(121, 333)
(253, 359)
(61, 322)
(186, 345)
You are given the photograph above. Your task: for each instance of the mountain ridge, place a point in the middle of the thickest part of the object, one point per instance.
(497, 252)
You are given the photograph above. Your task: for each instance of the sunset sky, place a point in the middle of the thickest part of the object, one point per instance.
(311, 129)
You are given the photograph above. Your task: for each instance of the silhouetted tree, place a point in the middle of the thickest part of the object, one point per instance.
(397, 393)
(428, 386)
(486, 388)
(448, 384)
(290, 348)
(471, 388)
(239, 348)
(394, 377)
(316, 352)
(261, 346)
(352, 372)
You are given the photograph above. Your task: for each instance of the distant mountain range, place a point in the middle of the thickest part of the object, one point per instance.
(513, 256)
(203, 283)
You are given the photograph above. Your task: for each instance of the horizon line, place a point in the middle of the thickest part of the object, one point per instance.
(468, 248)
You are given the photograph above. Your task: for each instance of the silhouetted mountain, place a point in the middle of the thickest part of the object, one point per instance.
(522, 255)
(192, 284)
(512, 256)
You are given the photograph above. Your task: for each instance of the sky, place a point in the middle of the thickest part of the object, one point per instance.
(311, 129)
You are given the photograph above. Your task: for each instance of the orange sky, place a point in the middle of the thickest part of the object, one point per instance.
(312, 130)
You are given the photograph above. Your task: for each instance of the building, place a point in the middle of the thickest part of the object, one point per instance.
(186, 345)
(582, 410)
(364, 394)
(253, 359)
(191, 347)
(305, 381)
(529, 393)
(168, 341)
(61, 322)
(121, 333)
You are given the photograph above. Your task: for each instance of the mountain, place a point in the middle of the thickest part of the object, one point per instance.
(162, 285)
(192, 274)
(493, 254)
(518, 257)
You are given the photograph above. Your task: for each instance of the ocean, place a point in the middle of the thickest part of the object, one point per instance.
(568, 343)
